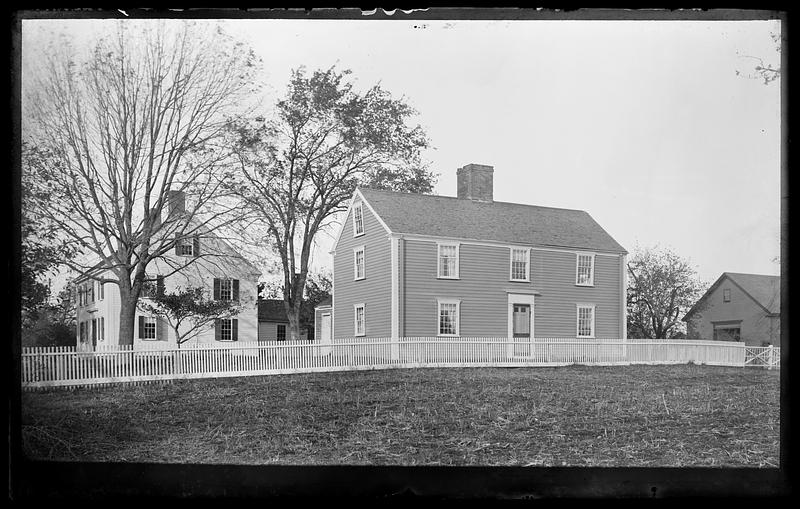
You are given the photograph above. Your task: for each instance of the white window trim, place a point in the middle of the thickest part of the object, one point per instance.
(577, 266)
(230, 322)
(355, 319)
(439, 246)
(363, 251)
(439, 303)
(360, 207)
(578, 308)
(527, 250)
(155, 328)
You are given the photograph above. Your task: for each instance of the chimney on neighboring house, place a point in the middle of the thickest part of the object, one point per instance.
(475, 182)
(177, 203)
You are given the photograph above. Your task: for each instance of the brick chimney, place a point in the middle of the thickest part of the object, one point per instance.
(177, 203)
(475, 182)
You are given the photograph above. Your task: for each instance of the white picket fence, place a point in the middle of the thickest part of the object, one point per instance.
(65, 366)
(768, 357)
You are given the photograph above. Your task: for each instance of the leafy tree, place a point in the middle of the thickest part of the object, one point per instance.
(319, 286)
(662, 287)
(125, 128)
(43, 249)
(189, 311)
(296, 170)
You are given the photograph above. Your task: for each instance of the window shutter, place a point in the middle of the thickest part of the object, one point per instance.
(141, 327)
(177, 242)
(235, 329)
(161, 330)
(160, 285)
(216, 288)
(196, 250)
(235, 285)
(217, 329)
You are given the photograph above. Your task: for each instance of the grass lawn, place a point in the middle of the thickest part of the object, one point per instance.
(624, 416)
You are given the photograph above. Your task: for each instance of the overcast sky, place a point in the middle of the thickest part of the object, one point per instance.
(643, 124)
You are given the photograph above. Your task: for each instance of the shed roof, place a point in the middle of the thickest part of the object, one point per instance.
(445, 216)
(272, 310)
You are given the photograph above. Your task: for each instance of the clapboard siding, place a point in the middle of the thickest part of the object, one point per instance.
(374, 290)
(483, 285)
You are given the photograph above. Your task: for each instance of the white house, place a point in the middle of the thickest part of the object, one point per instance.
(207, 261)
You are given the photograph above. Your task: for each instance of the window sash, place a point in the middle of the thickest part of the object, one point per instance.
(448, 318)
(280, 334)
(585, 322)
(448, 260)
(520, 262)
(185, 247)
(358, 219)
(225, 289)
(360, 320)
(226, 329)
(149, 331)
(359, 263)
(585, 272)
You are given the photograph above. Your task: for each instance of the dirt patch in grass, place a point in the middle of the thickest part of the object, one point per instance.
(650, 416)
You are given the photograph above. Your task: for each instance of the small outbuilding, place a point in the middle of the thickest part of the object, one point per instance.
(273, 324)
(738, 307)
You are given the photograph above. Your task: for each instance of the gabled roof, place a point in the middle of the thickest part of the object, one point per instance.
(764, 290)
(272, 310)
(444, 216)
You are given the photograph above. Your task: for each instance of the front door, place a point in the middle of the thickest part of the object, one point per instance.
(522, 329)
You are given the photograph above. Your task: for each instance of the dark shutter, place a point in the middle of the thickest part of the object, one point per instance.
(177, 243)
(141, 327)
(161, 330)
(216, 288)
(196, 250)
(217, 329)
(235, 329)
(235, 285)
(160, 285)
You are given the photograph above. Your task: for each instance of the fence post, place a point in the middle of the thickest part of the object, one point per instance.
(770, 357)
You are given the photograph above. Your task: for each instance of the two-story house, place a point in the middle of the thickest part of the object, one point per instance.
(202, 261)
(412, 265)
(738, 307)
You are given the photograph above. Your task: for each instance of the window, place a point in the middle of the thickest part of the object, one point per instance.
(187, 246)
(449, 317)
(448, 261)
(585, 320)
(281, 336)
(102, 335)
(101, 293)
(148, 327)
(727, 333)
(358, 262)
(358, 220)
(726, 295)
(520, 263)
(82, 333)
(585, 270)
(90, 288)
(360, 320)
(226, 329)
(152, 286)
(226, 289)
(94, 330)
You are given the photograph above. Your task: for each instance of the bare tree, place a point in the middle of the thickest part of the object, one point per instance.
(295, 171)
(662, 288)
(126, 130)
(763, 70)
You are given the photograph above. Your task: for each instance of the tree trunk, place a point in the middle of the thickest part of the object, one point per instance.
(294, 323)
(127, 319)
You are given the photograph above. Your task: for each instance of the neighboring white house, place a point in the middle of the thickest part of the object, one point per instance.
(225, 273)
